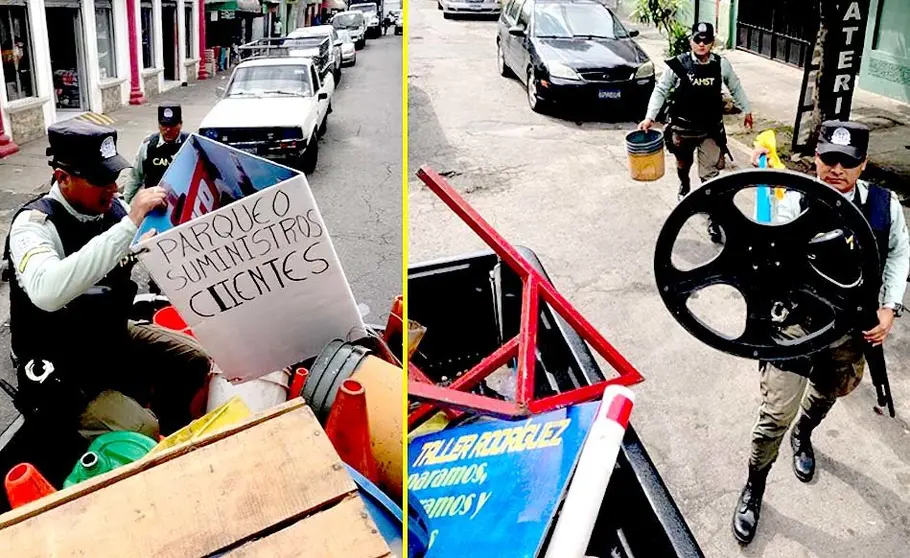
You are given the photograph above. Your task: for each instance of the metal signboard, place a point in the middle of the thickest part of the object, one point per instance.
(494, 484)
(840, 67)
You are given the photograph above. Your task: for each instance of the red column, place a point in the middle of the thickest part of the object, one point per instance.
(7, 146)
(203, 71)
(136, 96)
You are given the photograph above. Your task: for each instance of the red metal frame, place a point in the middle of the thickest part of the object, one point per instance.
(534, 287)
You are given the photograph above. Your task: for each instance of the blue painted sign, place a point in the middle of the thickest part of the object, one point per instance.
(492, 488)
(205, 176)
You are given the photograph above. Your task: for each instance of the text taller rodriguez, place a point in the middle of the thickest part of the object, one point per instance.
(263, 242)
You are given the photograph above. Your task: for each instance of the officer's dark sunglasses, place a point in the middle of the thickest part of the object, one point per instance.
(832, 158)
(700, 40)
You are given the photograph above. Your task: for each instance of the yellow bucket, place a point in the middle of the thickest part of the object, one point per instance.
(646, 154)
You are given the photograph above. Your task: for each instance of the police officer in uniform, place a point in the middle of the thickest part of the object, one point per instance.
(693, 83)
(836, 371)
(83, 366)
(157, 151)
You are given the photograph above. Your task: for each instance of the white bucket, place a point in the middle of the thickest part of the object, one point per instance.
(259, 395)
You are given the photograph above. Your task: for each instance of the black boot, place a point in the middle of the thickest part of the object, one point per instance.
(748, 508)
(684, 185)
(803, 455)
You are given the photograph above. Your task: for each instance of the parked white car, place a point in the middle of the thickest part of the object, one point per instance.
(348, 49)
(469, 7)
(324, 31)
(275, 108)
(370, 12)
(354, 23)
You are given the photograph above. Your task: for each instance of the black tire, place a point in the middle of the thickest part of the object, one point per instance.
(361, 43)
(337, 75)
(504, 69)
(323, 126)
(310, 156)
(439, 6)
(536, 104)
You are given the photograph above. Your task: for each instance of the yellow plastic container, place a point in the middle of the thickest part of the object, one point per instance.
(234, 410)
(646, 168)
(382, 383)
(646, 154)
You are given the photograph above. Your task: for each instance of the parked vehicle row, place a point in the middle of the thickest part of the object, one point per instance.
(278, 99)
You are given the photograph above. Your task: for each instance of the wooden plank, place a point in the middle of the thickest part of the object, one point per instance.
(345, 529)
(277, 471)
(44, 504)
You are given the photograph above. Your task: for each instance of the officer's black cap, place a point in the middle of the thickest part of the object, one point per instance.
(849, 138)
(85, 149)
(703, 30)
(170, 114)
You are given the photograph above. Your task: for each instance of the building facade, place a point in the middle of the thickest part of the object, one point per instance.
(784, 31)
(61, 58)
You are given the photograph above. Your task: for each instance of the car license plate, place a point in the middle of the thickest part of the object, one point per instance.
(252, 150)
(608, 94)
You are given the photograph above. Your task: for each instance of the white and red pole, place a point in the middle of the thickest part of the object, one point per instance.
(592, 475)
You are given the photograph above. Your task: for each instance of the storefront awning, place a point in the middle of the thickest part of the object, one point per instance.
(234, 6)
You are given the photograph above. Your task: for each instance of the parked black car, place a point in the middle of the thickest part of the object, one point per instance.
(573, 52)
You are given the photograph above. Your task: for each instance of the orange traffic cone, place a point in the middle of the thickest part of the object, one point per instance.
(349, 429)
(394, 325)
(25, 484)
(300, 376)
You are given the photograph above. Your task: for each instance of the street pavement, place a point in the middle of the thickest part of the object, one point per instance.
(357, 183)
(564, 190)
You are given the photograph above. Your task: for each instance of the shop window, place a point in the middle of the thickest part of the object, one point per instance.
(104, 32)
(148, 33)
(16, 51)
(189, 32)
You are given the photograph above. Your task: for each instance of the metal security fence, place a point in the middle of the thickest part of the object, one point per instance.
(782, 30)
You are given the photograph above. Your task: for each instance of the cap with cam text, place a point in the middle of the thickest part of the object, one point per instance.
(85, 149)
(170, 114)
(703, 30)
(849, 138)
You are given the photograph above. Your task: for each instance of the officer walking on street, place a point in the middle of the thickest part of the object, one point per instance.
(837, 370)
(157, 151)
(693, 83)
(82, 364)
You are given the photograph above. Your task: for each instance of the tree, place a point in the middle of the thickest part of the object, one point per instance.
(827, 11)
(664, 14)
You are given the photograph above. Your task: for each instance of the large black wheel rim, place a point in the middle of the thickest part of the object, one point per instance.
(774, 266)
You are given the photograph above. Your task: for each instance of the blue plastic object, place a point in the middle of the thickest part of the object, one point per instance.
(418, 528)
(763, 197)
(389, 519)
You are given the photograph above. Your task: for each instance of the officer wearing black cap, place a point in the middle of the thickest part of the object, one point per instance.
(693, 84)
(840, 158)
(157, 151)
(69, 270)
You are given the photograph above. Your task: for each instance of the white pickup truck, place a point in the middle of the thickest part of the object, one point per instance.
(275, 108)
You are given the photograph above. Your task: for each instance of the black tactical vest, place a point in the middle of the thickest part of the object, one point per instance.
(696, 105)
(159, 157)
(88, 326)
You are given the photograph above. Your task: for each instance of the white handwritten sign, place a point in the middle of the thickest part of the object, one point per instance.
(258, 280)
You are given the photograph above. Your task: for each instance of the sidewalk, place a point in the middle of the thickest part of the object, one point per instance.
(26, 174)
(773, 89)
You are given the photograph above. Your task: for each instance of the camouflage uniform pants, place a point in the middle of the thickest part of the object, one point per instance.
(710, 156)
(832, 373)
